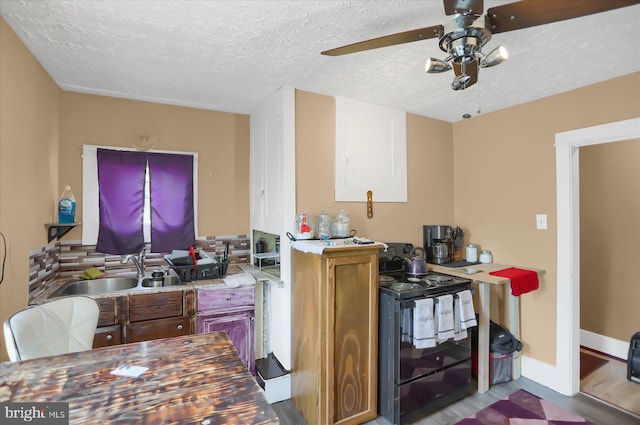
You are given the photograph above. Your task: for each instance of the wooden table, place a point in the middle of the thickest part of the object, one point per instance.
(191, 379)
(484, 279)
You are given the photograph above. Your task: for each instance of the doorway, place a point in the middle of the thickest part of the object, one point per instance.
(568, 241)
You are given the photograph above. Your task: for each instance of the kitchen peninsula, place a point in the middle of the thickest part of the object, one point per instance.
(190, 379)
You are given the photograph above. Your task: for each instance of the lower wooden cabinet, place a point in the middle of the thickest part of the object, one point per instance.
(156, 329)
(231, 310)
(334, 330)
(142, 317)
(107, 335)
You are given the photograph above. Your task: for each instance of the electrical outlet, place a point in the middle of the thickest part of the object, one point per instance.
(541, 221)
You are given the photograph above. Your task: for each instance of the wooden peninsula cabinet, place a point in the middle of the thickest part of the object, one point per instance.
(334, 334)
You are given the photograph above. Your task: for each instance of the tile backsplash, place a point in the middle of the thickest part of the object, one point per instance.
(68, 259)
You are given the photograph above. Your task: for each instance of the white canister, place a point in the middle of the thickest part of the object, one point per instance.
(486, 257)
(472, 253)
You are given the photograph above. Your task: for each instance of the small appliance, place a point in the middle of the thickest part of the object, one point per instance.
(437, 243)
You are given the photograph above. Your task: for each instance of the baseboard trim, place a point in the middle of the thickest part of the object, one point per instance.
(542, 373)
(604, 344)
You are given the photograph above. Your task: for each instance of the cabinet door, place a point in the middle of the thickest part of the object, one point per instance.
(371, 152)
(239, 325)
(156, 329)
(353, 293)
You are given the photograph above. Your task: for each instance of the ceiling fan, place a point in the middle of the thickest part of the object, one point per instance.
(464, 35)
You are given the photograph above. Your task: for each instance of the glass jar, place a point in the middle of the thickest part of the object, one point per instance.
(324, 224)
(472, 253)
(341, 225)
(486, 257)
(303, 226)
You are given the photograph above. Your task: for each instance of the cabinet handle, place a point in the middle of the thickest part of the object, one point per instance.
(228, 298)
(180, 327)
(109, 337)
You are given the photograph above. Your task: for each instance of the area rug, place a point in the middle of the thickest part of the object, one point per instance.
(523, 408)
(589, 363)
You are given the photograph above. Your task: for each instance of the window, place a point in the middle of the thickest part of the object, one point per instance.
(135, 197)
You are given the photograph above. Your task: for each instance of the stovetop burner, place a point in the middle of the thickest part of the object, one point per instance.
(435, 279)
(433, 283)
(386, 280)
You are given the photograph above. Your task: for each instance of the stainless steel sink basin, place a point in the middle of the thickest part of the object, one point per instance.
(96, 286)
(168, 280)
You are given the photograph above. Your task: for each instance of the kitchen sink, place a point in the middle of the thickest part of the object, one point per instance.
(96, 286)
(168, 280)
(114, 284)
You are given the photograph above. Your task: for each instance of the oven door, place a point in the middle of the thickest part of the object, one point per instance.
(437, 389)
(419, 362)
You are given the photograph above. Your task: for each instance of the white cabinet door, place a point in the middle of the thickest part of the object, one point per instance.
(267, 166)
(371, 152)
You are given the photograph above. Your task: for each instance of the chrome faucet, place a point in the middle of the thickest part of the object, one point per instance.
(138, 261)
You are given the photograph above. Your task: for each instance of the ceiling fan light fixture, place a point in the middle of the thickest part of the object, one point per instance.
(460, 82)
(434, 66)
(495, 57)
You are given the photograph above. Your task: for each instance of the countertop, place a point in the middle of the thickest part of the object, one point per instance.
(232, 269)
(191, 379)
(483, 275)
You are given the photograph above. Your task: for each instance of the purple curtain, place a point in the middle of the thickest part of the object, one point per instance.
(121, 176)
(172, 219)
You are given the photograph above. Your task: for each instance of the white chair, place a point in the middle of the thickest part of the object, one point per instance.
(65, 325)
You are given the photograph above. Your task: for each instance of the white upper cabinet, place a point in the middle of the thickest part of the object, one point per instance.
(271, 168)
(371, 152)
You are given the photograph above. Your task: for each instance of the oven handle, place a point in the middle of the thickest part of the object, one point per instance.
(412, 303)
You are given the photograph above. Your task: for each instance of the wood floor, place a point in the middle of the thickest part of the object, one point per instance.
(609, 383)
(592, 410)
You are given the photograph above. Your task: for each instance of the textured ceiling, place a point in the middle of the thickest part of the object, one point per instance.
(230, 55)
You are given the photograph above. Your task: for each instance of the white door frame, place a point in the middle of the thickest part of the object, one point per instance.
(568, 237)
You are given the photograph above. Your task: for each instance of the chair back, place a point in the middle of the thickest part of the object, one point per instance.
(65, 325)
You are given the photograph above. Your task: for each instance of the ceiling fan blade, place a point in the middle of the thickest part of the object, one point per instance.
(530, 13)
(387, 40)
(475, 7)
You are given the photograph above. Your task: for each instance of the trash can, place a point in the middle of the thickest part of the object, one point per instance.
(503, 347)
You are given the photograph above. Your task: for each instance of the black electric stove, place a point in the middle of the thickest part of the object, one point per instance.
(411, 378)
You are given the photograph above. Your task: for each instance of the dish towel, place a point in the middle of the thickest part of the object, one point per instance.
(424, 334)
(458, 332)
(407, 325)
(464, 315)
(242, 279)
(465, 310)
(444, 318)
(522, 281)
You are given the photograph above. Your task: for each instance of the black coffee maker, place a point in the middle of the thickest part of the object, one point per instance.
(437, 246)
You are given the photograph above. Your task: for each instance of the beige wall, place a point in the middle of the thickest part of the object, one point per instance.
(41, 136)
(429, 164)
(609, 235)
(221, 140)
(28, 164)
(505, 175)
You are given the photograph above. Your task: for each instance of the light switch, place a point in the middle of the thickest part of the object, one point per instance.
(541, 221)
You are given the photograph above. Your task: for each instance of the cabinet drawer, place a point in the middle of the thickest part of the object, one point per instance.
(220, 298)
(155, 306)
(106, 336)
(155, 329)
(107, 311)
